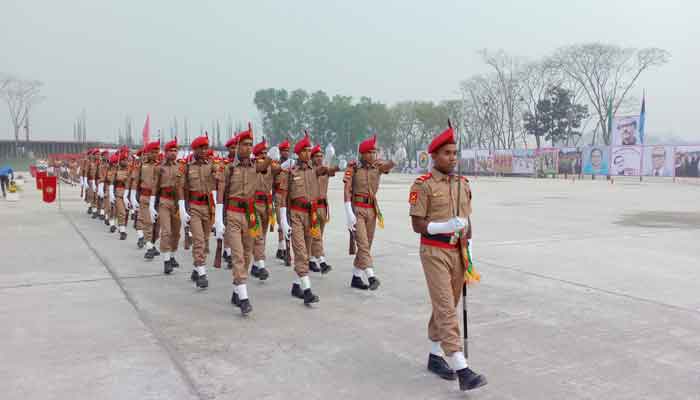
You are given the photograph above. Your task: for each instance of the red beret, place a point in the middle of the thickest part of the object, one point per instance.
(139, 151)
(446, 137)
(152, 146)
(171, 144)
(123, 155)
(210, 152)
(316, 149)
(303, 143)
(245, 135)
(259, 148)
(105, 152)
(368, 145)
(114, 158)
(199, 142)
(232, 142)
(284, 145)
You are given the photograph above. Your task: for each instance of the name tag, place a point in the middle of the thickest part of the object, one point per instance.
(296, 178)
(438, 194)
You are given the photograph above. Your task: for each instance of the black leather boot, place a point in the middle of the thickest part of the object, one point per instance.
(194, 275)
(112, 229)
(246, 307)
(469, 379)
(313, 267)
(325, 268)
(202, 282)
(439, 367)
(263, 274)
(297, 292)
(358, 283)
(167, 267)
(309, 297)
(140, 243)
(254, 271)
(234, 299)
(174, 263)
(374, 283)
(122, 235)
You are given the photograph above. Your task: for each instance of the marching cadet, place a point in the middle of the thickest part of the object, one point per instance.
(87, 189)
(166, 183)
(237, 191)
(198, 192)
(121, 204)
(101, 179)
(263, 208)
(111, 218)
(135, 170)
(299, 193)
(144, 182)
(317, 261)
(92, 175)
(362, 209)
(281, 243)
(231, 145)
(442, 222)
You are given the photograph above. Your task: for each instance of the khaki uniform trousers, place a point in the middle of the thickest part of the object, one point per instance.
(144, 221)
(169, 225)
(364, 235)
(444, 274)
(300, 222)
(241, 245)
(200, 226)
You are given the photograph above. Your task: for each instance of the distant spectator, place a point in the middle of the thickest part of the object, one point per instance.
(6, 176)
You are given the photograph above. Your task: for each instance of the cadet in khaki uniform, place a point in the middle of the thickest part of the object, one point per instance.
(85, 164)
(300, 191)
(134, 195)
(437, 217)
(242, 224)
(231, 145)
(111, 213)
(198, 192)
(362, 209)
(144, 182)
(92, 179)
(263, 208)
(100, 179)
(317, 261)
(120, 192)
(276, 193)
(168, 178)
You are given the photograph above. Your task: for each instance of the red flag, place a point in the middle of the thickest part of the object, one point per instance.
(40, 176)
(147, 130)
(48, 188)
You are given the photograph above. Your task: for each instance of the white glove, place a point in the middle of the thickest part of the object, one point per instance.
(101, 190)
(112, 199)
(92, 185)
(289, 163)
(452, 225)
(286, 229)
(214, 194)
(126, 199)
(152, 208)
(219, 221)
(350, 218)
(184, 216)
(134, 201)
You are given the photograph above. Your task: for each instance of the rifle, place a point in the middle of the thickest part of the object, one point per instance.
(467, 236)
(352, 249)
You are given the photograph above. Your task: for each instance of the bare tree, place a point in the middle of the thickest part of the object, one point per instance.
(20, 95)
(606, 73)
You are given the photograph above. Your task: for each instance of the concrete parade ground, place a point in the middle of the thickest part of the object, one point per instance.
(589, 290)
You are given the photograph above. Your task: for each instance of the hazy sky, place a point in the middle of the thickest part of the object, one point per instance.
(206, 59)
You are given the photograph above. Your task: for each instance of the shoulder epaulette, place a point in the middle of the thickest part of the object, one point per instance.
(423, 178)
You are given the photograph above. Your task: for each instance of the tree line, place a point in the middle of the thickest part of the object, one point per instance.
(555, 100)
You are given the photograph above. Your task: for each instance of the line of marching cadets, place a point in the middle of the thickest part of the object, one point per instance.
(242, 196)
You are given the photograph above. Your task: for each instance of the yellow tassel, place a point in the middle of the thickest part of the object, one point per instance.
(316, 232)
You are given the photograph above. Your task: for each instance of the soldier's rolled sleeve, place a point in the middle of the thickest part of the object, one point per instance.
(418, 201)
